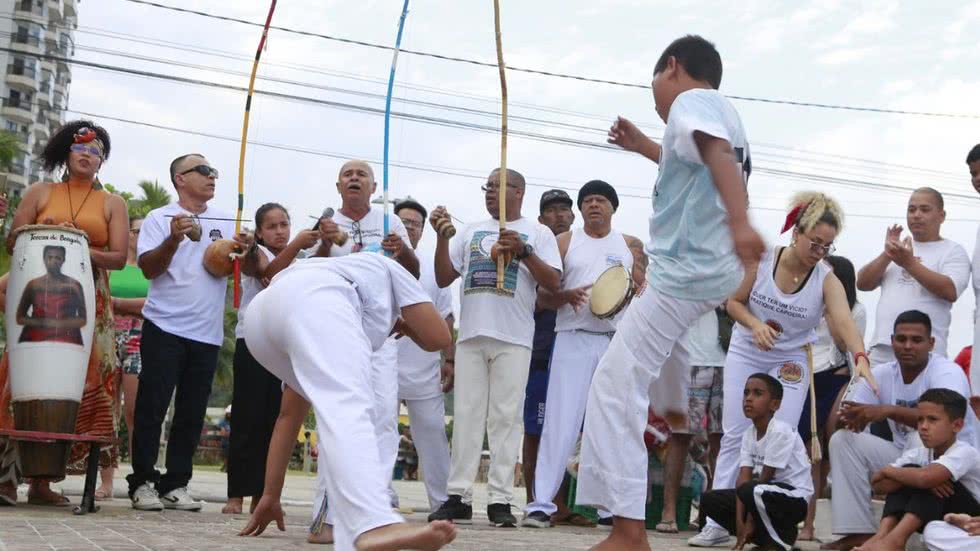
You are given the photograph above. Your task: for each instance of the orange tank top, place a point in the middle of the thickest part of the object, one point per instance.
(81, 205)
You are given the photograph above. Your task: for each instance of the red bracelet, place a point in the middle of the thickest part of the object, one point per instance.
(861, 355)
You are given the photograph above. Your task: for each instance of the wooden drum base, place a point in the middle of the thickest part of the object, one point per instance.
(45, 460)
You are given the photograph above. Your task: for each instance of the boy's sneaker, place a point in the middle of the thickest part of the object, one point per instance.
(537, 519)
(710, 536)
(179, 499)
(500, 516)
(455, 510)
(605, 523)
(145, 498)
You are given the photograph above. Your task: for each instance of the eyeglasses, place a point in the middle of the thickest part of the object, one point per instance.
(823, 250)
(487, 188)
(92, 150)
(203, 170)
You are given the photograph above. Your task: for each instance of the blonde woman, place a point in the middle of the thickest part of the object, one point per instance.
(777, 309)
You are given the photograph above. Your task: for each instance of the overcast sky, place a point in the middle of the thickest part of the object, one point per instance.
(906, 56)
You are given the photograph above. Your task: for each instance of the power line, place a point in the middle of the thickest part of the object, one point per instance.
(432, 169)
(798, 154)
(450, 123)
(795, 103)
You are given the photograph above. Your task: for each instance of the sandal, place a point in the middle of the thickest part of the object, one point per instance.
(667, 527)
(573, 519)
(103, 495)
(34, 500)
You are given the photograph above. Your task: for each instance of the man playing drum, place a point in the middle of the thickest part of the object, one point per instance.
(582, 336)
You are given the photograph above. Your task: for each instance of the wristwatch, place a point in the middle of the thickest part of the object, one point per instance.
(527, 251)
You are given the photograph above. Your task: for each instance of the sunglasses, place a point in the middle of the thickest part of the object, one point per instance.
(85, 148)
(203, 170)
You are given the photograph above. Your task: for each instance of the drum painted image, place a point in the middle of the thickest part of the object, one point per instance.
(50, 319)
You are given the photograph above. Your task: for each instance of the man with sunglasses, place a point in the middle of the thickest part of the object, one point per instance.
(182, 333)
(493, 349)
(923, 272)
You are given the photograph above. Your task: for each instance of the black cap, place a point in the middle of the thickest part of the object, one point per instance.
(554, 196)
(409, 203)
(598, 187)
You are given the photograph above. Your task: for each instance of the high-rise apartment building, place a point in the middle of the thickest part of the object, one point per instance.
(34, 90)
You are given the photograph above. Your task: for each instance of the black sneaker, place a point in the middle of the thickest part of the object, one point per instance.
(455, 510)
(537, 519)
(605, 522)
(499, 515)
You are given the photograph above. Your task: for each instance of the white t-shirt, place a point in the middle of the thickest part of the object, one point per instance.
(382, 286)
(782, 449)
(975, 358)
(962, 461)
(939, 373)
(691, 252)
(702, 342)
(901, 292)
(585, 260)
(185, 300)
(366, 234)
(418, 370)
(504, 314)
(250, 287)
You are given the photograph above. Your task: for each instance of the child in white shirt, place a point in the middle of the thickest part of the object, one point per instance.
(928, 482)
(774, 484)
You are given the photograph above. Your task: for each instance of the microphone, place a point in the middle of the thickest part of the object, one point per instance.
(340, 237)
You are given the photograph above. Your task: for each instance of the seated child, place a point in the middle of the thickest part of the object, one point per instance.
(774, 484)
(926, 483)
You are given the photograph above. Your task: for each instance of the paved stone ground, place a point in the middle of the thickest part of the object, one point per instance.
(117, 527)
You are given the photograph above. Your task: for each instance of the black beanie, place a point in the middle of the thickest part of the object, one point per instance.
(598, 187)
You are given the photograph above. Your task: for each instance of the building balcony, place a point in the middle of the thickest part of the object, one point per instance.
(33, 12)
(70, 10)
(25, 143)
(41, 132)
(17, 111)
(54, 11)
(54, 118)
(21, 81)
(61, 86)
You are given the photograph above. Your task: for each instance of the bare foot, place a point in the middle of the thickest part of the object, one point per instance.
(324, 537)
(233, 506)
(806, 534)
(847, 542)
(393, 537)
(616, 542)
(40, 493)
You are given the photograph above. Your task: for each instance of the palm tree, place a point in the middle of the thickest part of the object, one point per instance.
(9, 148)
(154, 197)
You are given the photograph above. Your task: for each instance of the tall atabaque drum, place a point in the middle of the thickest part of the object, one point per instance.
(50, 318)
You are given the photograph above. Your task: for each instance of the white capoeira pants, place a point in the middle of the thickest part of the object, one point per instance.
(573, 361)
(299, 345)
(854, 458)
(427, 421)
(942, 536)
(384, 386)
(646, 362)
(491, 376)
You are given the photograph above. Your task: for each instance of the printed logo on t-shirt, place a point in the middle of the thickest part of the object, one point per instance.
(775, 326)
(791, 372)
(215, 234)
(911, 404)
(614, 260)
(481, 272)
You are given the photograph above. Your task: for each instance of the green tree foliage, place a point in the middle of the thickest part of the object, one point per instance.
(9, 148)
(154, 196)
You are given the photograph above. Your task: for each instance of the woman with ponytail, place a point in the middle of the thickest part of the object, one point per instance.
(777, 309)
(256, 393)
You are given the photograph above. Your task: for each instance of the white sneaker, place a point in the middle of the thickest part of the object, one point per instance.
(145, 498)
(180, 500)
(710, 536)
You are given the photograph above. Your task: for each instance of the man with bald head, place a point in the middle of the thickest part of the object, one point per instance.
(364, 226)
(496, 329)
(923, 272)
